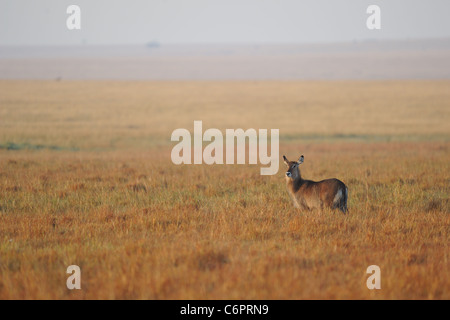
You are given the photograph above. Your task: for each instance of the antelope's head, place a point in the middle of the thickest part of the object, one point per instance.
(293, 171)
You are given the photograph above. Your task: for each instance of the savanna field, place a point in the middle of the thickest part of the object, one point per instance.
(86, 178)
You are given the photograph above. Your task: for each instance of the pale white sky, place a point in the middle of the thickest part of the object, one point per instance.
(43, 22)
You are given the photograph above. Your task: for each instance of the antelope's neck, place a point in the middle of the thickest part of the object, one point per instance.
(294, 185)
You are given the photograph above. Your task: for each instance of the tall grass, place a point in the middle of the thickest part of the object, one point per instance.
(140, 227)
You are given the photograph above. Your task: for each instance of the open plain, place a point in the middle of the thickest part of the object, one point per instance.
(86, 178)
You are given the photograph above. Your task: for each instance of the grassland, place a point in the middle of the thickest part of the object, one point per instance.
(86, 178)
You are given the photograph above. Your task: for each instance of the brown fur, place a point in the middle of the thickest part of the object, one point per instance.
(307, 194)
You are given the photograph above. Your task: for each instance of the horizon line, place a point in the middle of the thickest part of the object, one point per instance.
(156, 43)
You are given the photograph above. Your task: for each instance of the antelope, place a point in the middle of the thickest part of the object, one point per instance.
(307, 194)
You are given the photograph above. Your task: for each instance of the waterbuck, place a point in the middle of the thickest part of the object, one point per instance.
(307, 194)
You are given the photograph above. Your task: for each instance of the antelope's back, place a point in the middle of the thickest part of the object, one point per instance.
(330, 187)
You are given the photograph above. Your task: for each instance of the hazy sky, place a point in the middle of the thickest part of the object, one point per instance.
(43, 22)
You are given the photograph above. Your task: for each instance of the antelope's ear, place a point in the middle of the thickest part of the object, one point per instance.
(286, 161)
(301, 159)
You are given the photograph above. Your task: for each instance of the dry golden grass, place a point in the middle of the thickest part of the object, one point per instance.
(109, 199)
(111, 115)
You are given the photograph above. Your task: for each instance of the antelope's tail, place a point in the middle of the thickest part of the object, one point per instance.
(345, 208)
